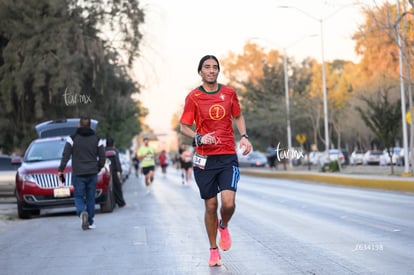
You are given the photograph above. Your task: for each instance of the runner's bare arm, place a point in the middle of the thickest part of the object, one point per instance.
(186, 130)
(244, 142)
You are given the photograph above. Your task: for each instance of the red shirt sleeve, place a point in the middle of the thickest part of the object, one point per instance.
(236, 110)
(188, 115)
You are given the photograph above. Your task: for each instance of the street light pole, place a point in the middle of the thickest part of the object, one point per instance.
(403, 110)
(288, 130)
(287, 96)
(325, 94)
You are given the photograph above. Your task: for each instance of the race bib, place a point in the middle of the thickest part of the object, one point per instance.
(199, 161)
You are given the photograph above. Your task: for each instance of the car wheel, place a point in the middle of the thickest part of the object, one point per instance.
(108, 205)
(23, 214)
(36, 212)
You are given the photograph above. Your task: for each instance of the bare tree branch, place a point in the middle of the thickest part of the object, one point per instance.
(402, 15)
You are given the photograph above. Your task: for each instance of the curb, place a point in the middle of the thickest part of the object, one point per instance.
(363, 181)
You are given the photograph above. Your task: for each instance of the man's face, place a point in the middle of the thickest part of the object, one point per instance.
(209, 71)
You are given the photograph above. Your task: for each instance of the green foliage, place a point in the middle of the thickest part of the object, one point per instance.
(332, 166)
(264, 107)
(54, 64)
(383, 118)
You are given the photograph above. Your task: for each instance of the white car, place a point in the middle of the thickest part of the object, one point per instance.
(372, 157)
(315, 157)
(357, 157)
(334, 155)
(401, 156)
(385, 157)
(126, 165)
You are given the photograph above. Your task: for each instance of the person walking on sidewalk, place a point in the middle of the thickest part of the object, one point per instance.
(135, 163)
(271, 156)
(212, 107)
(187, 164)
(163, 161)
(181, 149)
(88, 158)
(146, 155)
(116, 170)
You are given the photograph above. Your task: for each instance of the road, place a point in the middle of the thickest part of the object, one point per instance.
(280, 227)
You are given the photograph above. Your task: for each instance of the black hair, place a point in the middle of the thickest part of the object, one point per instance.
(206, 57)
(85, 121)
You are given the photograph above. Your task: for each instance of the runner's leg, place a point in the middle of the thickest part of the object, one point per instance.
(210, 220)
(228, 206)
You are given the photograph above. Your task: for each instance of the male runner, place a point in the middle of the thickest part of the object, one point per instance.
(212, 107)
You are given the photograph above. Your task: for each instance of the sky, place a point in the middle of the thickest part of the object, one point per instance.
(176, 34)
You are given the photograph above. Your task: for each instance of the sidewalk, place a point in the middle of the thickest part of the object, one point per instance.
(375, 177)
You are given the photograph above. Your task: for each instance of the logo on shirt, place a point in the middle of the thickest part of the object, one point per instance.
(217, 112)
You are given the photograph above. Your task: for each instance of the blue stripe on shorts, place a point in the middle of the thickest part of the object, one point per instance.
(236, 177)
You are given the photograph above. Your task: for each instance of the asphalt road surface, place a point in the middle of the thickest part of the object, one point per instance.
(280, 227)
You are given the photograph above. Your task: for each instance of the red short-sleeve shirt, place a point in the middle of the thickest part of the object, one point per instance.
(213, 112)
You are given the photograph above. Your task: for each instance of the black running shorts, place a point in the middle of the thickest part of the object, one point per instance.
(220, 173)
(146, 170)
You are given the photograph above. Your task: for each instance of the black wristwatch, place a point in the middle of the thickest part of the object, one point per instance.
(246, 136)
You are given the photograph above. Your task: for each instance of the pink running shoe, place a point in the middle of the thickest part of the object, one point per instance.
(225, 240)
(214, 257)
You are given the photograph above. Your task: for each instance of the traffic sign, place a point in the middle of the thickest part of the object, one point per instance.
(408, 116)
(301, 138)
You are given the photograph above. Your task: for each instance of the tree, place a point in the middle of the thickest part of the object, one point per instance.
(386, 36)
(54, 64)
(384, 119)
(305, 109)
(258, 77)
(377, 44)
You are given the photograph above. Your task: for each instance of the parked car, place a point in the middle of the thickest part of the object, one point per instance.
(334, 155)
(372, 157)
(357, 157)
(385, 157)
(8, 167)
(314, 158)
(60, 127)
(253, 159)
(401, 156)
(126, 165)
(37, 184)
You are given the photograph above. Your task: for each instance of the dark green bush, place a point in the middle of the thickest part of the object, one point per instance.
(332, 166)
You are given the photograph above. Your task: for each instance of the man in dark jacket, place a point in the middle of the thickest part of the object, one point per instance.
(116, 170)
(88, 158)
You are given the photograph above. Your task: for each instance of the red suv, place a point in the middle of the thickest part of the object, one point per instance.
(37, 183)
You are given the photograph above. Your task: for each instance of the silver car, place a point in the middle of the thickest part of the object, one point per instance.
(8, 168)
(253, 159)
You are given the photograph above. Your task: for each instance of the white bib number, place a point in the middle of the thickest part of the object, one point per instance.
(199, 161)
